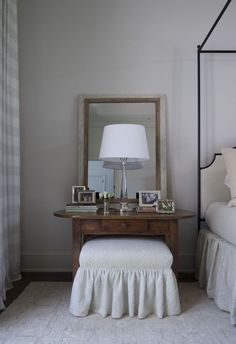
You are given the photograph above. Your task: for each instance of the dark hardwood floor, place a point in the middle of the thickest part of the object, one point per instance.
(27, 277)
(187, 277)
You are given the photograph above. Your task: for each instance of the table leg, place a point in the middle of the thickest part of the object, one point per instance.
(173, 244)
(77, 243)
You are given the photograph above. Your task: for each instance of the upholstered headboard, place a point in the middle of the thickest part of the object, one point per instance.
(213, 188)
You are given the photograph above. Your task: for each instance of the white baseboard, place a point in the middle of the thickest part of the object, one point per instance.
(46, 262)
(187, 262)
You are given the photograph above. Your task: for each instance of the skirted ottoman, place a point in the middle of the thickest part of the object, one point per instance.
(125, 276)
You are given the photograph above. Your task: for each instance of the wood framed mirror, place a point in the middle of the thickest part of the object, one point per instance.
(96, 111)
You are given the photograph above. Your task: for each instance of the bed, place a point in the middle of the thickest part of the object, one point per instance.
(216, 249)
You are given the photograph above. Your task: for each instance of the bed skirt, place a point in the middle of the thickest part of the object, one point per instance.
(117, 292)
(216, 270)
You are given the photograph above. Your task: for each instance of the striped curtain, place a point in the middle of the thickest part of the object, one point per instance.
(9, 150)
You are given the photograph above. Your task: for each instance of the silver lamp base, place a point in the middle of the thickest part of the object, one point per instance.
(124, 207)
(123, 192)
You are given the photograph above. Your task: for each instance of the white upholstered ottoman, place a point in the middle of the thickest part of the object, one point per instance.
(125, 275)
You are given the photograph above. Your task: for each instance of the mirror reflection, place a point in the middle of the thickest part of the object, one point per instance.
(97, 111)
(139, 177)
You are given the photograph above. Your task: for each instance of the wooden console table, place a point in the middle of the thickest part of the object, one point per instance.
(147, 224)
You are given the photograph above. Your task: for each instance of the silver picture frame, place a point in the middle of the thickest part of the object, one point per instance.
(75, 192)
(165, 206)
(149, 198)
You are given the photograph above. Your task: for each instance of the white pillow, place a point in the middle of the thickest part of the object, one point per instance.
(229, 155)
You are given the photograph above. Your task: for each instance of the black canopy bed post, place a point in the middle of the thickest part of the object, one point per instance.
(200, 51)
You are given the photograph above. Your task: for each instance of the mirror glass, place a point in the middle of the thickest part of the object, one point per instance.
(97, 111)
(110, 179)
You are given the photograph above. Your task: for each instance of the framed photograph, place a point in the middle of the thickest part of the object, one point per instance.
(166, 206)
(87, 197)
(149, 198)
(75, 193)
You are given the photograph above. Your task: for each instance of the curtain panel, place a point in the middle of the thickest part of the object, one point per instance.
(9, 150)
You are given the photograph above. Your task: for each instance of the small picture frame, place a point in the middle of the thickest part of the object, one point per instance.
(87, 197)
(149, 198)
(75, 193)
(165, 206)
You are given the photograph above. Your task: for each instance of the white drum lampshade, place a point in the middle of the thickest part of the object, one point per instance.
(124, 141)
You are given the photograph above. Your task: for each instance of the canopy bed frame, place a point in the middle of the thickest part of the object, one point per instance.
(216, 249)
(200, 51)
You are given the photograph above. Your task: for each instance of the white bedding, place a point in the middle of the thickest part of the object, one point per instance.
(216, 270)
(222, 221)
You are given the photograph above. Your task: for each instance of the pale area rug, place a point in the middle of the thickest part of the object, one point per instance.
(41, 315)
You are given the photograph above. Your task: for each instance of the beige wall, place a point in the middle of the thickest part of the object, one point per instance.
(73, 47)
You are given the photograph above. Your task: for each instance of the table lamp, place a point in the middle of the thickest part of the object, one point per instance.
(124, 144)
